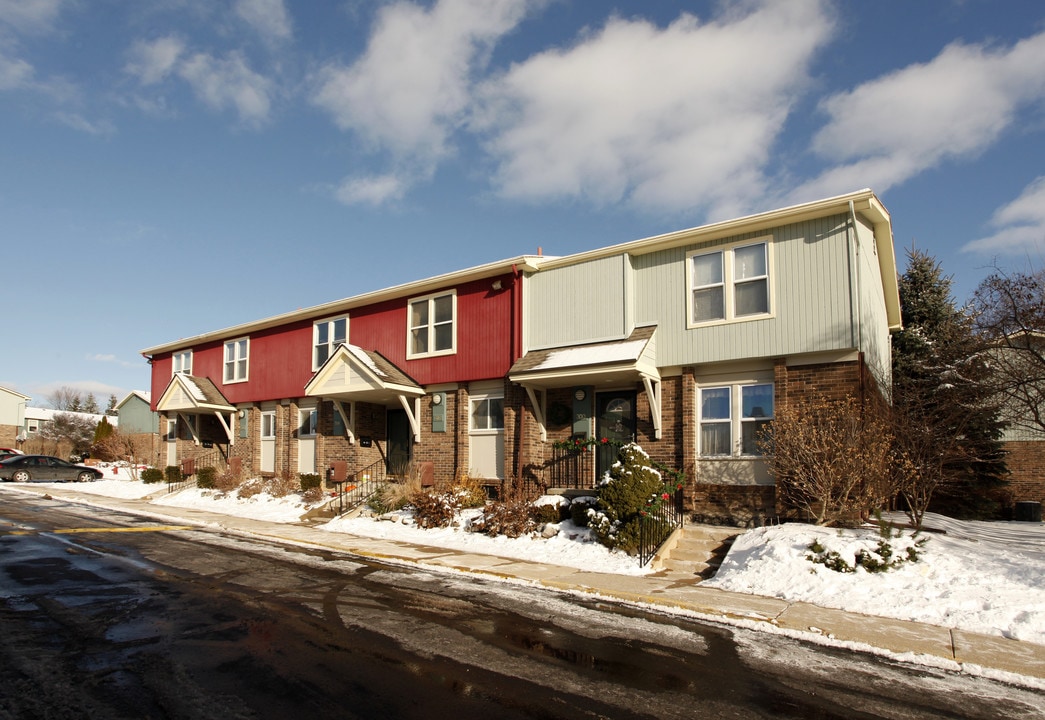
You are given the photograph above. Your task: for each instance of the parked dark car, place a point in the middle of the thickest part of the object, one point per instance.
(44, 468)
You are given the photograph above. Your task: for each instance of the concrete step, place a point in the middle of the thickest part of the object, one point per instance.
(696, 553)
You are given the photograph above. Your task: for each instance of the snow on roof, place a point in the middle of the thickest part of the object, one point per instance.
(363, 357)
(194, 389)
(47, 415)
(589, 355)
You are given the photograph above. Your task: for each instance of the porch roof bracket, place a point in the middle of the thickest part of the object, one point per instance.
(652, 386)
(413, 415)
(350, 428)
(228, 429)
(537, 399)
(185, 419)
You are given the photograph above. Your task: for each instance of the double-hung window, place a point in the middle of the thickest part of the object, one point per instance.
(431, 324)
(237, 353)
(729, 284)
(326, 336)
(181, 362)
(732, 418)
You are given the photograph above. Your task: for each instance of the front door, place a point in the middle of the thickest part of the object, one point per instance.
(172, 442)
(268, 441)
(399, 435)
(614, 421)
(307, 440)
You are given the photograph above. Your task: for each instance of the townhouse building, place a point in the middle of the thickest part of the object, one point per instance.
(684, 342)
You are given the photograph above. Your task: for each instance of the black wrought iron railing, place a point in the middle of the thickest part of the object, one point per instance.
(359, 487)
(572, 468)
(659, 521)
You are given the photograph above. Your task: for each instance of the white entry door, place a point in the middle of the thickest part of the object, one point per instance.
(172, 442)
(486, 432)
(268, 441)
(307, 440)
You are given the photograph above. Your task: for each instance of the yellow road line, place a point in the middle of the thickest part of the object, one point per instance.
(152, 528)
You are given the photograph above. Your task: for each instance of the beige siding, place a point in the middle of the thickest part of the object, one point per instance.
(874, 325)
(810, 299)
(577, 303)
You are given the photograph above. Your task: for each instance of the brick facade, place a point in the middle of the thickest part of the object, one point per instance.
(1026, 463)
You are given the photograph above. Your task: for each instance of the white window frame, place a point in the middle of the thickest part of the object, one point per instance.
(331, 343)
(729, 282)
(239, 364)
(478, 400)
(736, 419)
(313, 422)
(267, 426)
(181, 362)
(430, 326)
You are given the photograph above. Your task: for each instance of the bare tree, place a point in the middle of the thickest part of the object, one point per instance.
(832, 459)
(66, 399)
(1010, 315)
(73, 428)
(134, 450)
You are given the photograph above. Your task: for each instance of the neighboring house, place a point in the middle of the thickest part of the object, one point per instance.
(36, 419)
(12, 416)
(685, 342)
(139, 423)
(407, 376)
(1017, 359)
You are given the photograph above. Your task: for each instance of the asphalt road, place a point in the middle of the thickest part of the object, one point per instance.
(106, 615)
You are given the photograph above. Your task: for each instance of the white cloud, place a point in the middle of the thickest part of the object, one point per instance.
(373, 190)
(14, 72)
(411, 88)
(664, 118)
(225, 82)
(152, 62)
(894, 127)
(77, 121)
(30, 15)
(1021, 224)
(268, 17)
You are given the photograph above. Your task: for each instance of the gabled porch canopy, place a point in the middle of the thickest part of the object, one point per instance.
(616, 362)
(352, 374)
(190, 395)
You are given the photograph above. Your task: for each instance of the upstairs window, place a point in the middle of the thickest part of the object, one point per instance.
(431, 325)
(326, 336)
(236, 356)
(181, 362)
(731, 284)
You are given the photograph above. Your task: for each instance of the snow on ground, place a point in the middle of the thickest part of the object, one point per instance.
(957, 582)
(572, 546)
(981, 577)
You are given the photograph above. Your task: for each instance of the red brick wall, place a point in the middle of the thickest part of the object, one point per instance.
(1026, 462)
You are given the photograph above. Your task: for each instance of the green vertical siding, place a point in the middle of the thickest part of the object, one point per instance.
(586, 302)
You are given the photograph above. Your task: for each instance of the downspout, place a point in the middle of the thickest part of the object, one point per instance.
(853, 252)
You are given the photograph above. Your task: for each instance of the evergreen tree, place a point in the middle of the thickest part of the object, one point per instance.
(90, 405)
(110, 409)
(948, 422)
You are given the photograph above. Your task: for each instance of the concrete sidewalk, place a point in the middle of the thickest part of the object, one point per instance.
(668, 589)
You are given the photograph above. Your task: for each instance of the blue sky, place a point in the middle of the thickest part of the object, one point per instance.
(179, 166)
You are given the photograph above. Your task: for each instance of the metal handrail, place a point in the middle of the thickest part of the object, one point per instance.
(657, 525)
(360, 486)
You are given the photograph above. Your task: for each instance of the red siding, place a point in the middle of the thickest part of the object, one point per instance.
(281, 358)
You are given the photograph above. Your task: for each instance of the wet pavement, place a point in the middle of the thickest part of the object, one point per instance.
(668, 590)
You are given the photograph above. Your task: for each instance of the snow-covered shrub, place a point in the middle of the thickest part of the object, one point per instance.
(631, 484)
(891, 550)
(512, 518)
(579, 508)
(434, 509)
(470, 492)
